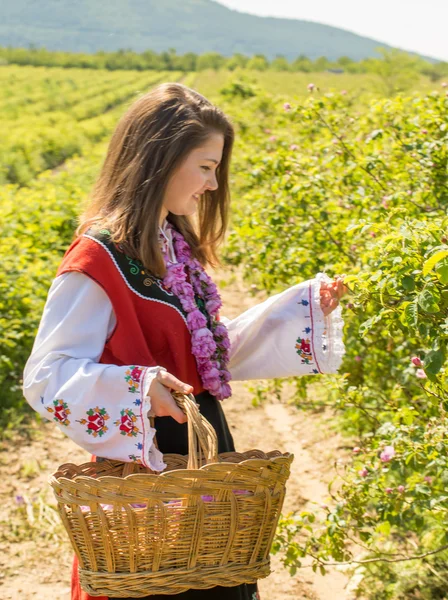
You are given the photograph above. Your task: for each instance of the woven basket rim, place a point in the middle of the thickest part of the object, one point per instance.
(53, 478)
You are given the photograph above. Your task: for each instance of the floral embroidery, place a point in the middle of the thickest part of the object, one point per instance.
(126, 423)
(256, 596)
(60, 411)
(96, 421)
(135, 459)
(133, 375)
(303, 347)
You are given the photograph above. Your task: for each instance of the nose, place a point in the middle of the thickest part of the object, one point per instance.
(213, 184)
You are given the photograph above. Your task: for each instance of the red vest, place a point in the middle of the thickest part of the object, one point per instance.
(151, 323)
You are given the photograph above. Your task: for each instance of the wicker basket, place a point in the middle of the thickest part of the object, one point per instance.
(207, 520)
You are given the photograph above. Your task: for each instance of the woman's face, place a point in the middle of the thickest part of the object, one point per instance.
(196, 175)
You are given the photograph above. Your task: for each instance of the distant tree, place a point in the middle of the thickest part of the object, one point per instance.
(210, 60)
(396, 71)
(189, 61)
(258, 63)
(321, 64)
(151, 59)
(436, 71)
(280, 63)
(236, 61)
(302, 63)
(167, 61)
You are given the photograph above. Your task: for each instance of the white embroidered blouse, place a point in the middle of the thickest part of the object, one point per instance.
(286, 335)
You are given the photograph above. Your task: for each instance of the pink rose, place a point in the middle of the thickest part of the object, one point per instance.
(226, 375)
(416, 361)
(420, 374)
(196, 319)
(221, 330)
(203, 343)
(175, 274)
(363, 472)
(387, 454)
(226, 390)
(188, 304)
(213, 305)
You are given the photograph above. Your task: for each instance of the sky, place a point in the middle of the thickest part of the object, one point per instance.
(416, 25)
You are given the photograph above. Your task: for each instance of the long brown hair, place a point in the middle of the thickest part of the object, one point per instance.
(150, 142)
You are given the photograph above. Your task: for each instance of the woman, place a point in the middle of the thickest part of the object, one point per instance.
(132, 314)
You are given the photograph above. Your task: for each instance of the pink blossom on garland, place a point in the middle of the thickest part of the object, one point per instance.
(210, 347)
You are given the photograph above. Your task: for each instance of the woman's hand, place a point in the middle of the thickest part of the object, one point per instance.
(162, 402)
(331, 293)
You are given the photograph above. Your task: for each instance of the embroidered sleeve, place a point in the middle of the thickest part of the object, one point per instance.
(286, 335)
(103, 408)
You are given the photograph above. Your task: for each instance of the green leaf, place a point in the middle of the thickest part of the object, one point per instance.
(411, 314)
(428, 300)
(433, 260)
(442, 271)
(384, 528)
(408, 283)
(434, 361)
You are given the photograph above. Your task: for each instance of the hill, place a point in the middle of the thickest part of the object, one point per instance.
(197, 26)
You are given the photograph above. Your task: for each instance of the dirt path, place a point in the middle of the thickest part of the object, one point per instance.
(35, 567)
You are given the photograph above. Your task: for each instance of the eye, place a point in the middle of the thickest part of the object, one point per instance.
(206, 168)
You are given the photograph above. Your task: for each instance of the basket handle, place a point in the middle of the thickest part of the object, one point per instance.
(202, 439)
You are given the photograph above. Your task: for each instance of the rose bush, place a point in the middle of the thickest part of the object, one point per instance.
(343, 188)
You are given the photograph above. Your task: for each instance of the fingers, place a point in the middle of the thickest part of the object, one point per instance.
(171, 409)
(175, 412)
(172, 382)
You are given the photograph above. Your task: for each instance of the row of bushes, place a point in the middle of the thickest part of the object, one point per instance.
(35, 143)
(36, 228)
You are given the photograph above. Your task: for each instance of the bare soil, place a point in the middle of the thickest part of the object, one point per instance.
(35, 567)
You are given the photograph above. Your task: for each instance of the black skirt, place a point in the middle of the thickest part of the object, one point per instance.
(172, 437)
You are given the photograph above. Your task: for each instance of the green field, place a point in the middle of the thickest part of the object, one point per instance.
(350, 178)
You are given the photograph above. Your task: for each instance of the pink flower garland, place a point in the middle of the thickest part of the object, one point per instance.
(210, 347)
